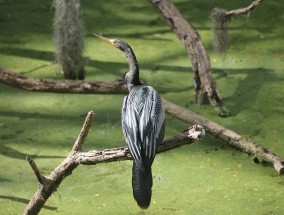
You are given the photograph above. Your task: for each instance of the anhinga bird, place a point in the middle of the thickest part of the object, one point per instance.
(143, 125)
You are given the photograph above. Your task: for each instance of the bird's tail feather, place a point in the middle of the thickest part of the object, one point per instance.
(142, 185)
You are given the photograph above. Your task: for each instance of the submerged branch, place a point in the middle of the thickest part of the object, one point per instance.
(77, 157)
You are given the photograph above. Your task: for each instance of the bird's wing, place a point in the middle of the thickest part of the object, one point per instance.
(142, 122)
(130, 129)
(151, 123)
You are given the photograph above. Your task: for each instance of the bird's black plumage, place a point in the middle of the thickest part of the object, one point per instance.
(143, 126)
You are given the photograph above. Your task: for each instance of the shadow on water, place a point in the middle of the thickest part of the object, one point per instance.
(103, 67)
(25, 201)
(105, 119)
(4, 180)
(12, 153)
(24, 115)
(247, 90)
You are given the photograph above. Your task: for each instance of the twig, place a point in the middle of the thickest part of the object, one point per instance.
(41, 179)
(84, 132)
(76, 157)
(245, 10)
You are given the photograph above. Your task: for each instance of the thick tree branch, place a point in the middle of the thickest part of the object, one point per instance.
(61, 86)
(226, 135)
(204, 83)
(77, 157)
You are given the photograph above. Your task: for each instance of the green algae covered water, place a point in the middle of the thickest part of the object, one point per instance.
(205, 178)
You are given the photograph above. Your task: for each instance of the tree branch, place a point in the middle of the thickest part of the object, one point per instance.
(84, 132)
(53, 181)
(246, 10)
(41, 179)
(62, 86)
(226, 135)
(77, 157)
(195, 132)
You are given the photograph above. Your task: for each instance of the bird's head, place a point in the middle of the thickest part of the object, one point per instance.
(132, 76)
(123, 46)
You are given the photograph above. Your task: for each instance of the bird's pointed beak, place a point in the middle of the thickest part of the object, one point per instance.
(110, 41)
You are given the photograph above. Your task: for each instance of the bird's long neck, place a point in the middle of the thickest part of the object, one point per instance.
(132, 76)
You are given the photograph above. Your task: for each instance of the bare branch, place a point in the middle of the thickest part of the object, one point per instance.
(188, 136)
(226, 135)
(246, 10)
(77, 157)
(41, 179)
(53, 181)
(84, 132)
(62, 86)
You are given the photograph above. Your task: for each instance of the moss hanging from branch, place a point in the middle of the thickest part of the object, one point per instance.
(68, 37)
(219, 20)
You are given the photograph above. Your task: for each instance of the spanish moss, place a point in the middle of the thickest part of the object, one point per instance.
(219, 19)
(68, 37)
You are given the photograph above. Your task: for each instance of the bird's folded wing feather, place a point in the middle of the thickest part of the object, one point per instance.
(142, 120)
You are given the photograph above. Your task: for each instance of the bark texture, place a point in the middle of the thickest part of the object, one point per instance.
(62, 86)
